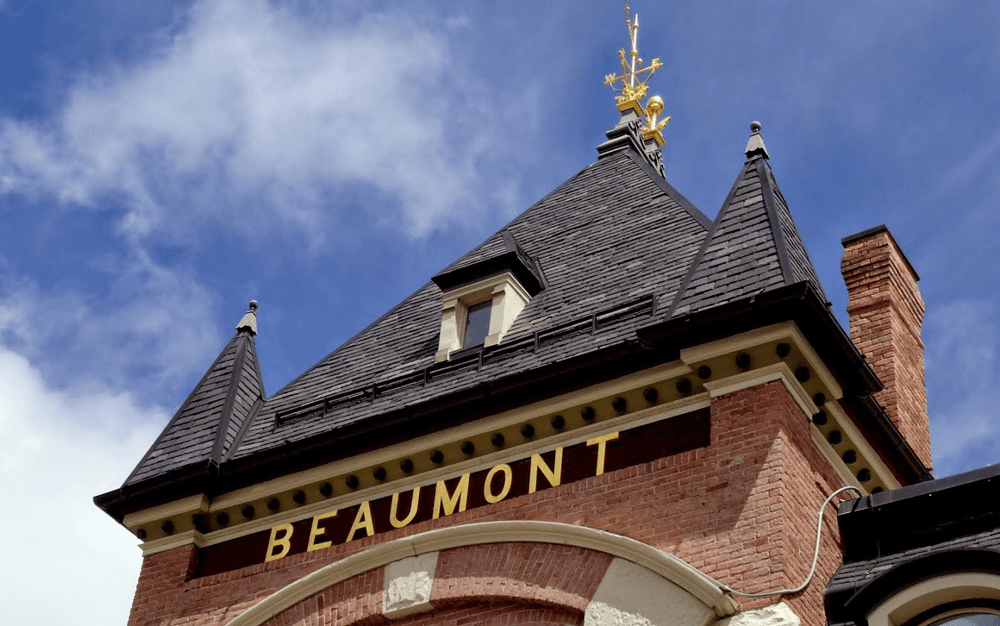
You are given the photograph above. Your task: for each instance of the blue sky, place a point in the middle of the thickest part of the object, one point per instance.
(162, 163)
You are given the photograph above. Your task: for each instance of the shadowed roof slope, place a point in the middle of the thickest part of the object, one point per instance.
(612, 237)
(754, 245)
(208, 423)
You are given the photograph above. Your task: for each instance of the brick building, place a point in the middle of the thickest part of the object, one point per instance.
(613, 411)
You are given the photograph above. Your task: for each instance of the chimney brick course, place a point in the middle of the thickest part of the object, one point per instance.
(886, 312)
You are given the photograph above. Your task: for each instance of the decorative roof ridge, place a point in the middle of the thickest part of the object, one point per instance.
(771, 193)
(670, 190)
(772, 216)
(245, 336)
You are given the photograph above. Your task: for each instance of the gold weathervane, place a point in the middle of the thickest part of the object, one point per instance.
(634, 77)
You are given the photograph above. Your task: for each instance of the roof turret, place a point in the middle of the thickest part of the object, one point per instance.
(754, 245)
(205, 428)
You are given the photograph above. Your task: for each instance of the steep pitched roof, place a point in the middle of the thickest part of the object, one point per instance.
(208, 423)
(753, 246)
(613, 240)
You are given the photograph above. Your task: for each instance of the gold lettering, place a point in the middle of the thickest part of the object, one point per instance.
(553, 475)
(601, 443)
(450, 502)
(488, 485)
(362, 520)
(284, 542)
(318, 530)
(414, 500)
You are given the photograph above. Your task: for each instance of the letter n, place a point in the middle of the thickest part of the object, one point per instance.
(552, 474)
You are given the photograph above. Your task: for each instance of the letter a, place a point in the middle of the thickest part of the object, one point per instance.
(362, 520)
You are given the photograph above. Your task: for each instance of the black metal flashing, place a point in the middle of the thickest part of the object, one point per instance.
(514, 260)
(772, 215)
(921, 514)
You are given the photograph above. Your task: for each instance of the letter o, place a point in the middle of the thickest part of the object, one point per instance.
(508, 476)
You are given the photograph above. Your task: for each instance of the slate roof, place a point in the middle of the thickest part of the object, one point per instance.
(208, 423)
(859, 573)
(753, 247)
(617, 248)
(608, 237)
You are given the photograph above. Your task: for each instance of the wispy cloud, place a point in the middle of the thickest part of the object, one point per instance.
(147, 332)
(252, 116)
(57, 452)
(962, 372)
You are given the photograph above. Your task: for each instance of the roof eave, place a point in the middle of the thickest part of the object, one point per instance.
(192, 479)
(801, 304)
(465, 405)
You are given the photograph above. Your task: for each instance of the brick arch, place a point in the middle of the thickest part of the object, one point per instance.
(547, 572)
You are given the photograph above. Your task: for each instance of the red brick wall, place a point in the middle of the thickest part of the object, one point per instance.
(742, 510)
(886, 313)
(551, 575)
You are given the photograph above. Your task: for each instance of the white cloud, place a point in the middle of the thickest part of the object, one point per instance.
(962, 376)
(150, 331)
(60, 449)
(256, 117)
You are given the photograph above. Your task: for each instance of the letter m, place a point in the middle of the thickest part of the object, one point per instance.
(449, 502)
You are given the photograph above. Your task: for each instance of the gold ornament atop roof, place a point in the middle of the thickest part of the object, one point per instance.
(634, 76)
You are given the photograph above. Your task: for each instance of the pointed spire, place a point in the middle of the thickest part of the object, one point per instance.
(755, 146)
(249, 321)
(209, 423)
(753, 246)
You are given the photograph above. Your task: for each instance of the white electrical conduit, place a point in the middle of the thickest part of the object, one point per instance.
(812, 570)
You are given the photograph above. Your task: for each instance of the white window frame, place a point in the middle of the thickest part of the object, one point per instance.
(509, 299)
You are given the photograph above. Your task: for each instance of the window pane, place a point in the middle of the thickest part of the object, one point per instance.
(477, 326)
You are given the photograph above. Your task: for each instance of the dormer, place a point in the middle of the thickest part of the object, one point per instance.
(482, 298)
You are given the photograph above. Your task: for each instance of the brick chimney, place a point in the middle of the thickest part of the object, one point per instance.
(886, 313)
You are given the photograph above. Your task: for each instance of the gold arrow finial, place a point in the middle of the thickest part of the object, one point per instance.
(634, 76)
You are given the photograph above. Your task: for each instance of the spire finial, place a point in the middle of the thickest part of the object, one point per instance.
(249, 321)
(633, 84)
(755, 146)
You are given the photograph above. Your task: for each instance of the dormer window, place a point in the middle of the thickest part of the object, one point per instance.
(481, 300)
